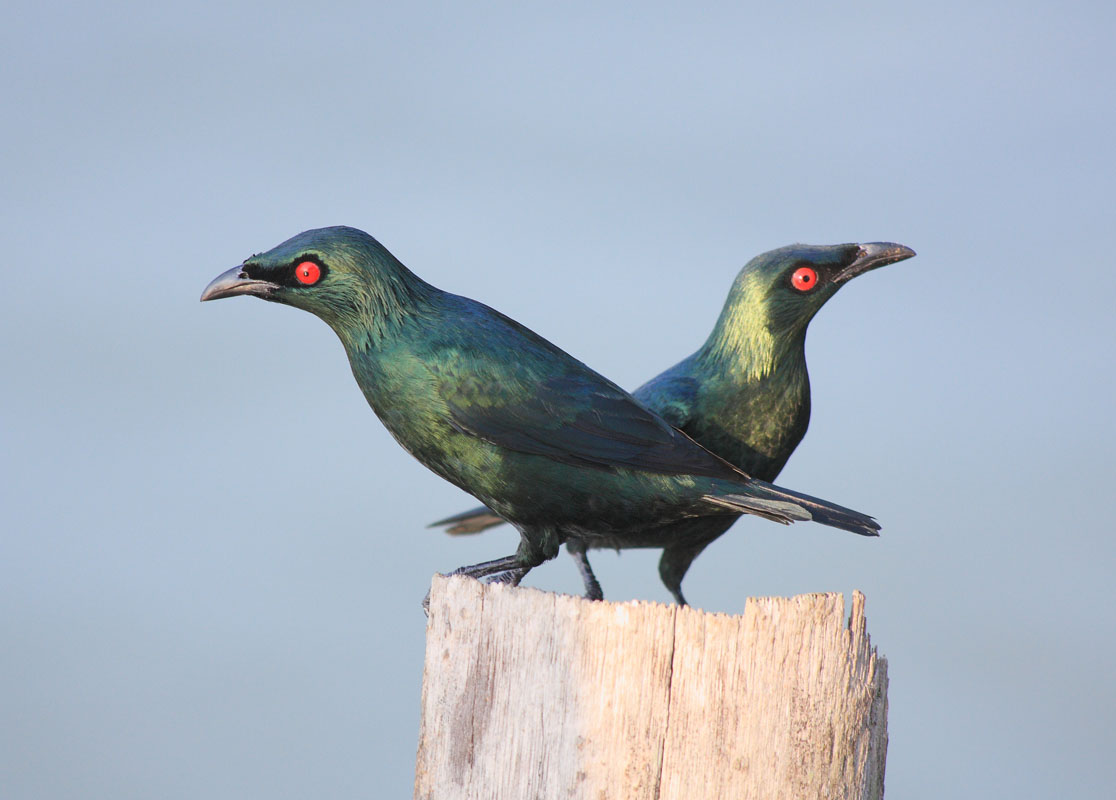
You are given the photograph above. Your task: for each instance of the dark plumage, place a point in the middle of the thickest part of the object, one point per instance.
(745, 394)
(551, 446)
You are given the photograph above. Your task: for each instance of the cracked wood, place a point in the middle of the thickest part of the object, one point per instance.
(528, 694)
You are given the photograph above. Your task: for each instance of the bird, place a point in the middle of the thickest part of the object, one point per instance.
(744, 394)
(553, 447)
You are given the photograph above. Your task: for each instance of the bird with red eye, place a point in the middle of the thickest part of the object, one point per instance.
(308, 273)
(804, 279)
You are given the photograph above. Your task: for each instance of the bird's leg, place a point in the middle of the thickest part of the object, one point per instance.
(673, 565)
(478, 571)
(485, 568)
(536, 545)
(576, 548)
(508, 565)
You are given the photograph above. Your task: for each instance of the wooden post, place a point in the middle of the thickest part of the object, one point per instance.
(528, 694)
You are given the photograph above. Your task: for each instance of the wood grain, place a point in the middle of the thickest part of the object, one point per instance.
(528, 694)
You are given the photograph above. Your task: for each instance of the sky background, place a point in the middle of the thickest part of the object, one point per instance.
(212, 554)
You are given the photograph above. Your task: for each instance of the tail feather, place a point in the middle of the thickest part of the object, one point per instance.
(474, 520)
(774, 510)
(760, 499)
(769, 501)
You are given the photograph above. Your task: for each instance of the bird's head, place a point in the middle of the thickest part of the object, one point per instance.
(793, 282)
(777, 293)
(340, 274)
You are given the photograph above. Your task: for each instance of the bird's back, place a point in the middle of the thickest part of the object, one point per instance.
(498, 410)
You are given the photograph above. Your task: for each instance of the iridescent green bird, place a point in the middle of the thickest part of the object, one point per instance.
(744, 395)
(551, 446)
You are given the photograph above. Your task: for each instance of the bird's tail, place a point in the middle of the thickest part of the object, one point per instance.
(786, 506)
(474, 520)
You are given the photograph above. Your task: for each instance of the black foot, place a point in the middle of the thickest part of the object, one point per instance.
(673, 565)
(576, 549)
(486, 568)
(511, 577)
(477, 571)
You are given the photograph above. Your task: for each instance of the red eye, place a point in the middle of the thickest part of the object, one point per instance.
(804, 279)
(308, 273)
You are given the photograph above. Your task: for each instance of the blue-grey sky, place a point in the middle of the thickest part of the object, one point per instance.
(213, 553)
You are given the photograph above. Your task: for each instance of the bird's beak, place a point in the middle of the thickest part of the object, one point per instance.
(871, 256)
(234, 282)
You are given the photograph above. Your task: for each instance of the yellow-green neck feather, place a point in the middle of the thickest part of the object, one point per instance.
(743, 332)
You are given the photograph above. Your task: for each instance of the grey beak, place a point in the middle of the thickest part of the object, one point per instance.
(872, 256)
(234, 282)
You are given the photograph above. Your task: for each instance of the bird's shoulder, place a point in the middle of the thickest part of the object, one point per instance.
(673, 394)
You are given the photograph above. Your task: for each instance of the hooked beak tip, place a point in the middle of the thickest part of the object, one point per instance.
(233, 282)
(874, 255)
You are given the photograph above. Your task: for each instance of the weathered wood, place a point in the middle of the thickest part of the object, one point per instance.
(528, 694)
